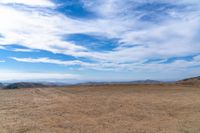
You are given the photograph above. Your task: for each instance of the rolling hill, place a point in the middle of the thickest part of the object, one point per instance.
(1, 85)
(24, 85)
(190, 81)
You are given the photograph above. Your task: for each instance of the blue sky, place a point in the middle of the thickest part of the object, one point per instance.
(99, 40)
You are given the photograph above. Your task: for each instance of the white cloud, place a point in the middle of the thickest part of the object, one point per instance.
(96, 66)
(26, 76)
(44, 30)
(22, 50)
(47, 60)
(197, 58)
(3, 48)
(177, 65)
(41, 3)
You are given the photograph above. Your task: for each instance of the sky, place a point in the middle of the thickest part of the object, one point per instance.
(99, 40)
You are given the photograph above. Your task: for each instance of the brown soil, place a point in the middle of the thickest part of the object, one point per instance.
(101, 109)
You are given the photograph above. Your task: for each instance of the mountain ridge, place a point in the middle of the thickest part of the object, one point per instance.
(18, 85)
(190, 81)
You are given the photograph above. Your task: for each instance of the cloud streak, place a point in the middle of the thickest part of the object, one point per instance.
(40, 3)
(26, 76)
(144, 30)
(176, 65)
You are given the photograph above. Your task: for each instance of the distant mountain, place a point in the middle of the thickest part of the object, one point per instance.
(19, 85)
(147, 82)
(190, 81)
(1, 85)
(24, 85)
(130, 82)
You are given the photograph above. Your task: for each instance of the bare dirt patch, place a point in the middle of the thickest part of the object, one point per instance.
(101, 109)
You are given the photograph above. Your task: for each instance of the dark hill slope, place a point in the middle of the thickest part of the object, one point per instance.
(24, 85)
(1, 85)
(190, 81)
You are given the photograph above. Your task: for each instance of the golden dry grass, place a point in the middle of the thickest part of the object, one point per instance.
(101, 109)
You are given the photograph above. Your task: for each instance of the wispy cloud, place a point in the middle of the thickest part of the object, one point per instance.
(22, 50)
(41, 3)
(47, 60)
(162, 65)
(1, 47)
(26, 76)
(144, 30)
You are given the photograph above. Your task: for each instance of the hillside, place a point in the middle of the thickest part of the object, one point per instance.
(190, 81)
(24, 85)
(1, 85)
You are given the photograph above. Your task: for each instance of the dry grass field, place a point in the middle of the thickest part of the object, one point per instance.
(101, 109)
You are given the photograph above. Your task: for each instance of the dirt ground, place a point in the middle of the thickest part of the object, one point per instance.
(101, 109)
